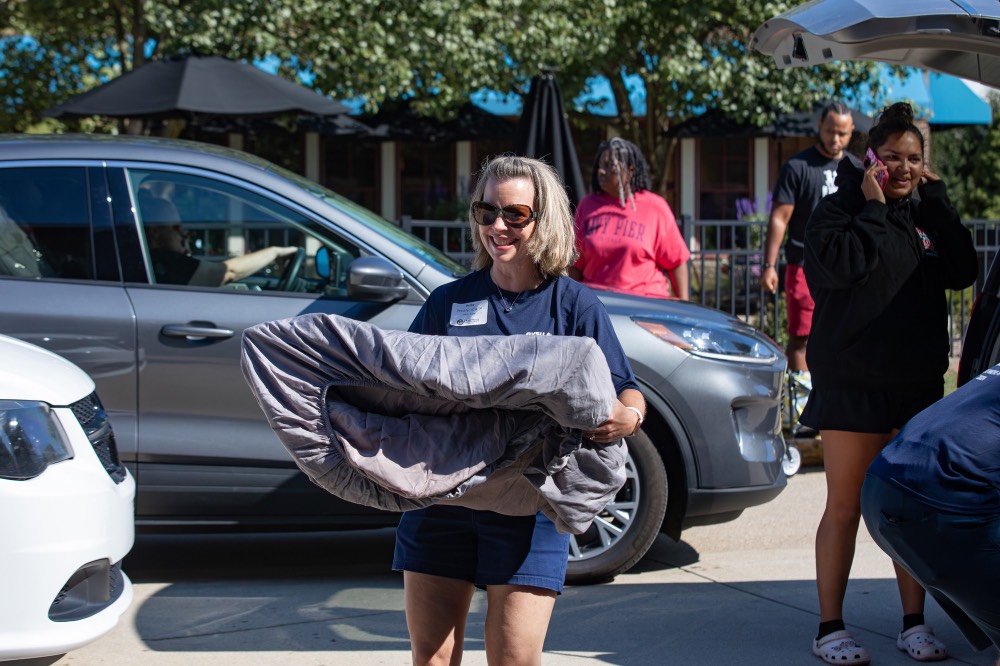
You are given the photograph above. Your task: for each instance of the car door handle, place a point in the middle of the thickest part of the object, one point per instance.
(187, 331)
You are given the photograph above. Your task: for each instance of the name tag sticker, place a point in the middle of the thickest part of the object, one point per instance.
(468, 314)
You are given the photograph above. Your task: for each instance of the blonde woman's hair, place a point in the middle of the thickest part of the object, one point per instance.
(552, 246)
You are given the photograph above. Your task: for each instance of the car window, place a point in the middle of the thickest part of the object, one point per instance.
(404, 239)
(45, 223)
(200, 231)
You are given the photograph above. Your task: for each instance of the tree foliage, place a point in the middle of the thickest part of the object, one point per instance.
(972, 175)
(691, 55)
(52, 50)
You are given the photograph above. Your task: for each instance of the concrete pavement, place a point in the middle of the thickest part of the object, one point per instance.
(741, 592)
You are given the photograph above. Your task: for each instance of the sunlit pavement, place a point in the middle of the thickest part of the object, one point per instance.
(740, 592)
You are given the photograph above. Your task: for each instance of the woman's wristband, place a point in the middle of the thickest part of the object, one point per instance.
(641, 419)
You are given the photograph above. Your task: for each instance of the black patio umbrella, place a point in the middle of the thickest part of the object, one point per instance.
(543, 132)
(196, 87)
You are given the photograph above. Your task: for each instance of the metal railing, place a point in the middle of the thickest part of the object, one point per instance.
(724, 273)
(450, 236)
(726, 259)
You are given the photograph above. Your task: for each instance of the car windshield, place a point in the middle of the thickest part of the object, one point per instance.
(408, 241)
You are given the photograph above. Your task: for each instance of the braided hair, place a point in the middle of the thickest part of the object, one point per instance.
(834, 107)
(624, 155)
(894, 120)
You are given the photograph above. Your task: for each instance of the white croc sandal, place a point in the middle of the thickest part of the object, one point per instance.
(839, 647)
(920, 643)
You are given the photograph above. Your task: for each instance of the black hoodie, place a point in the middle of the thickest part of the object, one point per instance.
(881, 318)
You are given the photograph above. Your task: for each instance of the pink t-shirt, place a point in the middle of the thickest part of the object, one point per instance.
(627, 250)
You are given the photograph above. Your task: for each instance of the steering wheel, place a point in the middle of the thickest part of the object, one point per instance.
(292, 270)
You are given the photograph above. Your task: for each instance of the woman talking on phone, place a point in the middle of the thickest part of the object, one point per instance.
(878, 260)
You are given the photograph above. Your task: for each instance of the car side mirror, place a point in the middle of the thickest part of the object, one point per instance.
(323, 262)
(375, 279)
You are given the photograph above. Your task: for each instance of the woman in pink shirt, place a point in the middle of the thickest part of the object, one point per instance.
(627, 235)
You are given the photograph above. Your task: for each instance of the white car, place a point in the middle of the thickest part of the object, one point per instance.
(66, 508)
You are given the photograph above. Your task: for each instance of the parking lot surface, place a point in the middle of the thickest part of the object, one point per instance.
(740, 592)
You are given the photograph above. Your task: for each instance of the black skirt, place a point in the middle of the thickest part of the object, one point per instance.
(859, 410)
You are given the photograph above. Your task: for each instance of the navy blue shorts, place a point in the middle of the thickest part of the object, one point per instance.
(857, 410)
(482, 547)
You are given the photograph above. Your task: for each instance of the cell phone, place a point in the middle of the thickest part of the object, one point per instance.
(881, 177)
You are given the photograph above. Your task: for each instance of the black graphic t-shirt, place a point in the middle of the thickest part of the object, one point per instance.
(803, 180)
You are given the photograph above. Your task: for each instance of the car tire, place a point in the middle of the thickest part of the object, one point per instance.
(628, 526)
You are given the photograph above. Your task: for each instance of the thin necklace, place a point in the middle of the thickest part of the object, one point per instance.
(507, 307)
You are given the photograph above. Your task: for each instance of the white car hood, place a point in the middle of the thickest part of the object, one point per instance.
(956, 37)
(28, 372)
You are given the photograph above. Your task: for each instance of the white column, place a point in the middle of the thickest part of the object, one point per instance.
(312, 156)
(236, 244)
(312, 246)
(761, 162)
(688, 177)
(463, 168)
(389, 176)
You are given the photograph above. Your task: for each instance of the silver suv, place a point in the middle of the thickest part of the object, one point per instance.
(87, 224)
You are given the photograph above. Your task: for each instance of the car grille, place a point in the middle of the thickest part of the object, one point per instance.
(91, 415)
(92, 588)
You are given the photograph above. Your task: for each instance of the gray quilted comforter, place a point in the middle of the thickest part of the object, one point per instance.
(399, 420)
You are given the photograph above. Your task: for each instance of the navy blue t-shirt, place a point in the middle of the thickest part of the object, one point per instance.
(949, 454)
(473, 306)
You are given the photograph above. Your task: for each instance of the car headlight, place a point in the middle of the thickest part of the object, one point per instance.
(31, 439)
(711, 340)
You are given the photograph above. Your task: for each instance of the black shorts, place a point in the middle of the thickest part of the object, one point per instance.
(856, 410)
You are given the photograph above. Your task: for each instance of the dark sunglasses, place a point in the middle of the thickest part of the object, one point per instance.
(516, 216)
